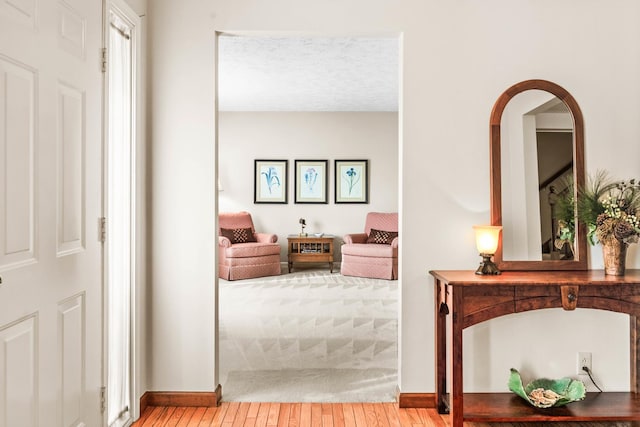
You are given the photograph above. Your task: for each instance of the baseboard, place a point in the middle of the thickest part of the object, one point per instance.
(144, 402)
(416, 400)
(181, 398)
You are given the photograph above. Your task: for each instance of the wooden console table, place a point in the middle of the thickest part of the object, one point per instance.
(310, 249)
(463, 299)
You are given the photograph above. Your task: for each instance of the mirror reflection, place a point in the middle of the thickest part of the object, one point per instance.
(529, 152)
(537, 164)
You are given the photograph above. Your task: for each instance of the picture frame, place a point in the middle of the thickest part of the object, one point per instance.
(351, 181)
(270, 179)
(311, 181)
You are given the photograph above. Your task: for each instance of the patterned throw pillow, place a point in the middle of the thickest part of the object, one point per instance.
(381, 237)
(238, 235)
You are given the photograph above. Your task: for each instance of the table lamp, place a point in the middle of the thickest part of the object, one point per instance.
(487, 237)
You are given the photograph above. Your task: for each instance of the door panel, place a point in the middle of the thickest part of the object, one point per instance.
(50, 205)
(72, 342)
(70, 174)
(18, 386)
(17, 113)
(71, 30)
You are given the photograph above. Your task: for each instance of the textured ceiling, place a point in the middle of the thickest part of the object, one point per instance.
(308, 73)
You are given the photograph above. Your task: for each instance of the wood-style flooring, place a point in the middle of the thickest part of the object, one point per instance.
(246, 414)
(253, 414)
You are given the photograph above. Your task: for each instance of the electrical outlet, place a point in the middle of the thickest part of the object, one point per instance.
(584, 359)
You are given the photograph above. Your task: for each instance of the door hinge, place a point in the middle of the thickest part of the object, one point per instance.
(103, 399)
(103, 229)
(104, 60)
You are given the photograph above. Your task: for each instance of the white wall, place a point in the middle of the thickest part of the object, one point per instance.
(244, 137)
(181, 298)
(458, 56)
(139, 6)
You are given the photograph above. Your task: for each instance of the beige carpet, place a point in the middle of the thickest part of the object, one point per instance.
(309, 336)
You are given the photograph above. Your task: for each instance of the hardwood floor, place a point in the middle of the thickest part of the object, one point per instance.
(253, 414)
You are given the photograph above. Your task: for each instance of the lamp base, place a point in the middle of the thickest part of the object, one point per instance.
(487, 266)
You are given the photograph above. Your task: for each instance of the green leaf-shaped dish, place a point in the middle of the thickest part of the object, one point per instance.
(567, 389)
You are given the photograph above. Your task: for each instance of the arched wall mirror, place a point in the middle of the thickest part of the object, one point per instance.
(537, 146)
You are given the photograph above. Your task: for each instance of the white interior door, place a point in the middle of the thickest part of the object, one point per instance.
(50, 203)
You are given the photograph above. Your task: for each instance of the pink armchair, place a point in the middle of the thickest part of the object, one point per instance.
(243, 253)
(373, 253)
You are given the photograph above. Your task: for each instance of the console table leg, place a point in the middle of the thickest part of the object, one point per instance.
(441, 311)
(456, 403)
(634, 332)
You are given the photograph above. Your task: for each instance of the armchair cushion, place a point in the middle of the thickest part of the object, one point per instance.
(238, 235)
(381, 237)
(370, 251)
(246, 250)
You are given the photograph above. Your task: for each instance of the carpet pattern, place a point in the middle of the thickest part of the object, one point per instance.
(308, 336)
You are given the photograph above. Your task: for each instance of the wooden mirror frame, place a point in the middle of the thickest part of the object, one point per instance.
(580, 251)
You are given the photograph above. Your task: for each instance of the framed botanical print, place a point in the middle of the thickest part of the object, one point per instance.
(311, 181)
(270, 181)
(352, 181)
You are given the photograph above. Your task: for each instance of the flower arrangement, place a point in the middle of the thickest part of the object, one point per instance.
(610, 209)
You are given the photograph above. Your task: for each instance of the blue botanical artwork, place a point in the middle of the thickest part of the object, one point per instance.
(311, 184)
(352, 178)
(272, 179)
(310, 178)
(352, 181)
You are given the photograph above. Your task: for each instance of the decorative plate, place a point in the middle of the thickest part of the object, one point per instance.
(546, 393)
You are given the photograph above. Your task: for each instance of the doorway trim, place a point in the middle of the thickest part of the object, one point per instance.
(137, 204)
(217, 35)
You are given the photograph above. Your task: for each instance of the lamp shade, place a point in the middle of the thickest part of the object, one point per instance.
(487, 237)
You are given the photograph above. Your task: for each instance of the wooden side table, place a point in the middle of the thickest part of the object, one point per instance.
(310, 249)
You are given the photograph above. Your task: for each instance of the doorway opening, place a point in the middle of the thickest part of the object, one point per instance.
(263, 340)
